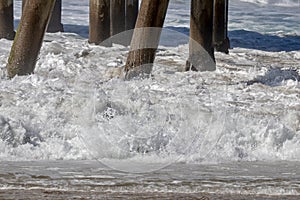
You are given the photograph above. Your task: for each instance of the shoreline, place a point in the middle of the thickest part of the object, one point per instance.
(46, 194)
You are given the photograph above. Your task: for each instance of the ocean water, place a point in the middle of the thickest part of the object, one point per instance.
(73, 129)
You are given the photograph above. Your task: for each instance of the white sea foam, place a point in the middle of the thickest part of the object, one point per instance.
(284, 3)
(48, 115)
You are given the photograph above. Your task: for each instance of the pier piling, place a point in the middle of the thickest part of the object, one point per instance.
(132, 9)
(145, 38)
(221, 41)
(117, 16)
(55, 24)
(29, 37)
(201, 50)
(99, 21)
(6, 20)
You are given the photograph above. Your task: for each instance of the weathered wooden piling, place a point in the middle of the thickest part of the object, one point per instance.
(221, 40)
(130, 21)
(117, 16)
(145, 40)
(6, 19)
(55, 24)
(29, 37)
(132, 10)
(201, 50)
(226, 21)
(99, 22)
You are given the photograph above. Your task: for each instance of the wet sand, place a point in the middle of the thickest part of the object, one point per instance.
(57, 195)
(90, 180)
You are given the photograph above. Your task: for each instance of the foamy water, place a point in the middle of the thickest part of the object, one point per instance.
(247, 111)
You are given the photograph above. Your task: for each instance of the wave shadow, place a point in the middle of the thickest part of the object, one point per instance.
(265, 42)
(238, 38)
(254, 40)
